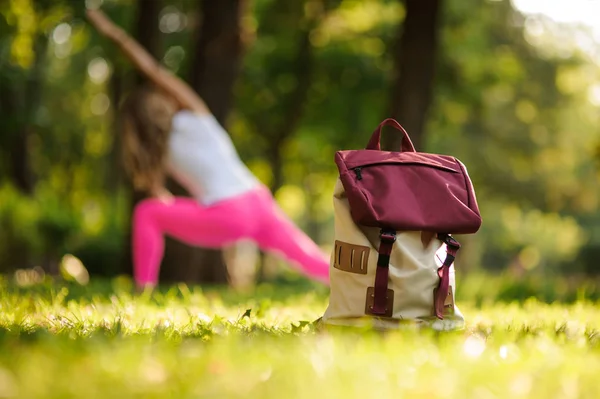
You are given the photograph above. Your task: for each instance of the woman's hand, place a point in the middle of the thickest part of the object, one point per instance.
(163, 195)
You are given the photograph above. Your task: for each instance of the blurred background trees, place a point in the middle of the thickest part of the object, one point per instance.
(515, 97)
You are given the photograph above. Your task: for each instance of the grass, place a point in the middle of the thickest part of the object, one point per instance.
(100, 341)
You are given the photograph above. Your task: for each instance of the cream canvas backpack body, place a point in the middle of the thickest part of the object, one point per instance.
(393, 255)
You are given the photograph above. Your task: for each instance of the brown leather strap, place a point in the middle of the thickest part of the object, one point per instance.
(452, 247)
(388, 237)
(351, 258)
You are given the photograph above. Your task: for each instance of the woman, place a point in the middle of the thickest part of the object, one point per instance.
(169, 130)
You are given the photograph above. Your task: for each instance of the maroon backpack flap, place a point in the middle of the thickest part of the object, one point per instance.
(408, 190)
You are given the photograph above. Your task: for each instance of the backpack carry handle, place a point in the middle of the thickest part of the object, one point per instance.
(375, 142)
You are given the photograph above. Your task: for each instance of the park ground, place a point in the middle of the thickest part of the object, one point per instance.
(61, 340)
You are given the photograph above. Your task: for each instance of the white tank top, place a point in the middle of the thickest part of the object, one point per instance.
(202, 158)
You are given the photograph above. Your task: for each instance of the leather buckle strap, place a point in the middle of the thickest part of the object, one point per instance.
(452, 247)
(388, 238)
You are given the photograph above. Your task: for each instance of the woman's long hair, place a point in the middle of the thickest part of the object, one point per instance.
(146, 120)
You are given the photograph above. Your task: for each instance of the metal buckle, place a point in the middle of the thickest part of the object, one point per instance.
(449, 240)
(387, 235)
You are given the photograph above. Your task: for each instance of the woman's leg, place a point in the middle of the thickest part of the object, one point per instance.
(186, 220)
(279, 234)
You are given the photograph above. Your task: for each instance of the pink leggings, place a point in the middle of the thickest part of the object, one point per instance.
(253, 215)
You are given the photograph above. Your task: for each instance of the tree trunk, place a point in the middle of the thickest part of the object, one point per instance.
(146, 29)
(19, 162)
(218, 54)
(8, 115)
(22, 174)
(414, 61)
(147, 34)
(116, 88)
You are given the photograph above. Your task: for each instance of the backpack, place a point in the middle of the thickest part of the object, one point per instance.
(393, 257)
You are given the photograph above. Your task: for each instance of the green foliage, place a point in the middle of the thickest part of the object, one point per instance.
(33, 226)
(521, 120)
(39, 230)
(101, 341)
(511, 100)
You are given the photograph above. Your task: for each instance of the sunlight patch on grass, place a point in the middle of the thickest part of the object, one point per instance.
(186, 342)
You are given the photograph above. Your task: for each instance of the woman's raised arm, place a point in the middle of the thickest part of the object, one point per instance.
(143, 61)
